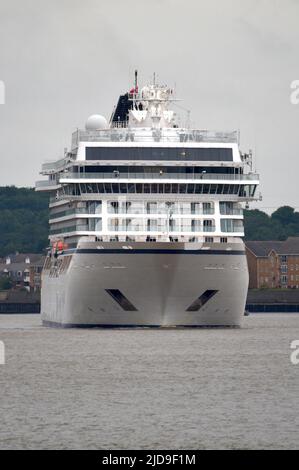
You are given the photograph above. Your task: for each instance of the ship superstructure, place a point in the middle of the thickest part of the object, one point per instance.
(146, 221)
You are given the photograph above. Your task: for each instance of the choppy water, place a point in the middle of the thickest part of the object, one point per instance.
(173, 389)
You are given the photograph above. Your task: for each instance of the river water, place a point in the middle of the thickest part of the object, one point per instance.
(149, 389)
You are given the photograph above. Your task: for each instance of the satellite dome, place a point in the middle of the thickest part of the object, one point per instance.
(96, 122)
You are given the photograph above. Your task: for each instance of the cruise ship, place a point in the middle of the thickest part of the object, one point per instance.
(146, 221)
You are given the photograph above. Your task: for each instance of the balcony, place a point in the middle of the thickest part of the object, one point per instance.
(209, 228)
(46, 185)
(56, 165)
(233, 229)
(75, 228)
(231, 212)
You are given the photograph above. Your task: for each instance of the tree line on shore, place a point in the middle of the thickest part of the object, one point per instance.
(24, 222)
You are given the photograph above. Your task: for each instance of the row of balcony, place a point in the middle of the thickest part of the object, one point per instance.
(140, 227)
(141, 210)
(159, 228)
(135, 228)
(144, 209)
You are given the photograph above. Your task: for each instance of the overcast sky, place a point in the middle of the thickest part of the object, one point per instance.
(232, 62)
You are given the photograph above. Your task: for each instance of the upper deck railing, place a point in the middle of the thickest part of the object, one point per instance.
(175, 135)
(46, 184)
(55, 165)
(159, 176)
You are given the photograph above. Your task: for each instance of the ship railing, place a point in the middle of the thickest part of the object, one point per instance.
(120, 132)
(120, 124)
(164, 227)
(231, 211)
(233, 230)
(160, 228)
(55, 165)
(162, 212)
(181, 176)
(74, 228)
(45, 183)
(77, 210)
(208, 228)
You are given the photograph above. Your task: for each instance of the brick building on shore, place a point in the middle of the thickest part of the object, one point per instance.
(23, 270)
(273, 264)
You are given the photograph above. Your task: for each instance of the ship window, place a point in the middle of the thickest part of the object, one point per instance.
(195, 225)
(202, 300)
(107, 187)
(113, 207)
(152, 225)
(195, 208)
(231, 225)
(121, 300)
(173, 227)
(163, 154)
(208, 208)
(151, 207)
(209, 225)
(155, 188)
(95, 224)
(198, 188)
(131, 188)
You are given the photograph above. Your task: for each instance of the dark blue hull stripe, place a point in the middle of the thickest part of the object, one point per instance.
(128, 326)
(147, 251)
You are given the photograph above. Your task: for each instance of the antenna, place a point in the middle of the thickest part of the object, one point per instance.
(136, 81)
(188, 115)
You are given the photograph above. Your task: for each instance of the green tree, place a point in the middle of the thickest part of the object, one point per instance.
(284, 215)
(5, 283)
(283, 223)
(23, 220)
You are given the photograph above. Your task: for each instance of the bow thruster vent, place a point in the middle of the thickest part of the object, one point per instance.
(121, 300)
(200, 301)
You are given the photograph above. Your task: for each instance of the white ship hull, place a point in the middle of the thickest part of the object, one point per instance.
(161, 281)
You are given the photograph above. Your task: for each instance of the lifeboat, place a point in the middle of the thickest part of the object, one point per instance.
(59, 245)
